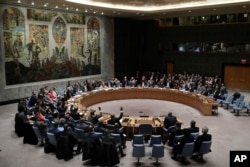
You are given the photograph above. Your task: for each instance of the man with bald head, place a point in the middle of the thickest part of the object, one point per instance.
(203, 137)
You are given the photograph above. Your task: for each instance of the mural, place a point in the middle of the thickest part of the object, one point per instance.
(93, 38)
(74, 18)
(40, 15)
(49, 52)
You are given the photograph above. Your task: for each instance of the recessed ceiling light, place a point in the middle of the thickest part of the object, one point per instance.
(86, 10)
(32, 3)
(56, 6)
(76, 9)
(214, 9)
(102, 13)
(244, 6)
(189, 11)
(19, 1)
(67, 8)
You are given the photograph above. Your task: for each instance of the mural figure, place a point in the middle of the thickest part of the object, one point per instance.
(59, 31)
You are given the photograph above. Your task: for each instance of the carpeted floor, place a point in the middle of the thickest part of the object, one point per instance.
(229, 133)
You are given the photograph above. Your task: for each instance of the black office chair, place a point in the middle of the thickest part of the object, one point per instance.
(146, 130)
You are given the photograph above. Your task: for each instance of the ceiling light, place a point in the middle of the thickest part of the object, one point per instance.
(76, 9)
(19, 1)
(56, 6)
(32, 3)
(102, 13)
(86, 10)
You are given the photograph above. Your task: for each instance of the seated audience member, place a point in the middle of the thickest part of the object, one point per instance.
(33, 99)
(82, 124)
(55, 129)
(73, 141)
(107, 138)
(203, 137)
(193, 128)
(176, 132)
(223, 90)
(113, 119)
(20, 120)
(91, 146)
(118, 131)
(40, 117)
(42, 127)
(178, 147)
(93, 118)
(100, 128)
(170, 120)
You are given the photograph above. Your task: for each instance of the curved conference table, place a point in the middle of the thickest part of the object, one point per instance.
(202, 103)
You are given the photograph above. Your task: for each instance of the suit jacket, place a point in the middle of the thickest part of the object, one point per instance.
(109, 154)
(193, 129)
(200, 139)
(116, 120)
(170, 121)
(185, 139)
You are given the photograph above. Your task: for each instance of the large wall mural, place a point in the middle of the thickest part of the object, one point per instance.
(57, 45)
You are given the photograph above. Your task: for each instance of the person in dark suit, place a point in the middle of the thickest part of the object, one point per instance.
(176, 132)
(107, 138)
(100, 127)
(93, 118)
(118, 131)
(203, 137)
(113, 119)
(91, 147)
(178, 147)
(170, 120)
(193, 128)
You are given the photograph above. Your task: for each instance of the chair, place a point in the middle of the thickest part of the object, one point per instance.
(219, 101)
(146, 130)
(235, 103)
(137, 139)
(109, 126)
(178, 138)
(79, 133)
(118, 139)
(138, 151)
(157, 151)
(99, 134)
(204, 148)
(187, 151)
(52, 139)
(239, 108)
(49, 124)
(228, 101)
(248, 107)
(155, 139)
(167, 131)
(38, 134)
(195, 135)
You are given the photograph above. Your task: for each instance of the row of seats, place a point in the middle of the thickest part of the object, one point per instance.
(237, 105)
(157, 150)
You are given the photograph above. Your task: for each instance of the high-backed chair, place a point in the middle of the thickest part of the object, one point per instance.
(248, 107)
(52, 139)
(118, 139)
(204, 148)
(109, 126)
(155, 139)
(187, 151)
(157, 151)
(178, 138)
(146, 130)
(239, 108)
(137, 139)
(195, 135)
(79, 133)
(228, 101)
(138, 151)
(38, 134)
